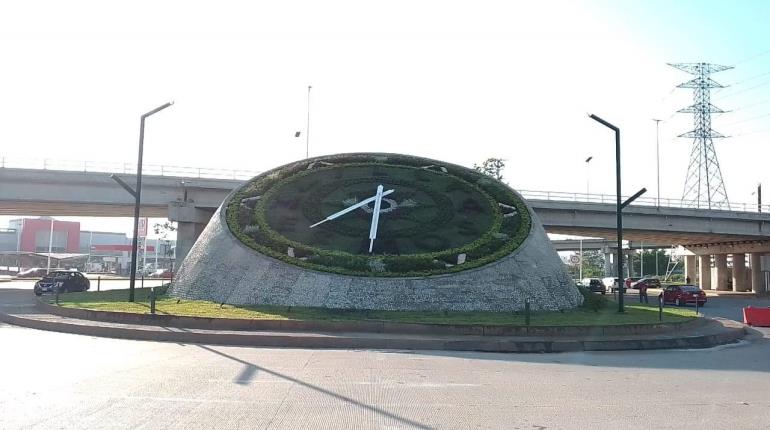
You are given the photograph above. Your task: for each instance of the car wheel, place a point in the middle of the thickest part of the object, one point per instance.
(38, 293)
(680, 302)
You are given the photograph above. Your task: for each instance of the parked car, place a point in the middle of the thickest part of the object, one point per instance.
(595, 285)
(684, 294)
(63, 281)
(631, 281)
(649, 282)
(35, 272)
(611, 283)
(162, 274)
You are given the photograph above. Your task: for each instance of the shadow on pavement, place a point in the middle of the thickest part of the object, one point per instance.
(251, 369)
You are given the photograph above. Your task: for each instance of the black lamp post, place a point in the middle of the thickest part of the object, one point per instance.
(137, 193)
(619, 208)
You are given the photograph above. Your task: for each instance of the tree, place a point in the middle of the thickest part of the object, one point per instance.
(492, 167)
(163, 230)
(593, 265)
(649, 262)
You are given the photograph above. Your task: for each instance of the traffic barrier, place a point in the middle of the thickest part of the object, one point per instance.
(757, 317)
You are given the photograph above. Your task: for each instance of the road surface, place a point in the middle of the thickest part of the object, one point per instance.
(55, 380)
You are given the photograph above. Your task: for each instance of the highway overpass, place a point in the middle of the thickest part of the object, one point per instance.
(191, 201)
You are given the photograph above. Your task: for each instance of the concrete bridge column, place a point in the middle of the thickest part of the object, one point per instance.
(704, 271)
(190, 224)
(689, 267)
(757, 278)
(720, 272)
(608, 265)
(739, 272)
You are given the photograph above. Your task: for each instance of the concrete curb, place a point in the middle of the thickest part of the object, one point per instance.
(203, 323)
(730, 332)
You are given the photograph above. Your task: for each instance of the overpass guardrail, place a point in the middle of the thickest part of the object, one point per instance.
(241, 174)
(125, 168)
(641, 201)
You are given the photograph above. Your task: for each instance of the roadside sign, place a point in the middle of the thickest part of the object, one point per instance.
(574, 259)
(143, 227)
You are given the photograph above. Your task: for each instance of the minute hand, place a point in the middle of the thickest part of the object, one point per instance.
(351, 208)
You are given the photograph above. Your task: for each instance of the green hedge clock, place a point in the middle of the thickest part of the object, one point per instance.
(422, 218)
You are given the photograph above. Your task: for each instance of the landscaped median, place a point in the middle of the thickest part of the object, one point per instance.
(116, 301)
(108, 314)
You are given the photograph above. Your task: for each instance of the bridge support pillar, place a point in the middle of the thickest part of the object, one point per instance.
(739, 272)
(689, 267)
(757, 278)
(720, 272)
(704, 271)
(608, 265)
(186, 235)
(190, 224)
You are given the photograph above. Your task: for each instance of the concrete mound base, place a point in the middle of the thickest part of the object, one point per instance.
(220, 268)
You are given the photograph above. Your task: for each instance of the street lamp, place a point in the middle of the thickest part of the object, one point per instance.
(588, 176)
(758, 192)
(137, 193)
(307, 129)
(657, 156)
(619, 207)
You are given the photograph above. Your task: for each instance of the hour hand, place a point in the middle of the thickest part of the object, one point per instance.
(351, 208)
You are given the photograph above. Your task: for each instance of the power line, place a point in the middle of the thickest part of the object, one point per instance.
(753, 57)
(747, 119)
(744, 90)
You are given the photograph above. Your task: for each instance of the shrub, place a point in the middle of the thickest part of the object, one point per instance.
(591, 301)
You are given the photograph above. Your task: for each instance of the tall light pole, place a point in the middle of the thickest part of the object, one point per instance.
(657, 156)
(137, 193)
(307, 129)
(588, 176)
(50, 247)
(758, 192)
(619, 207)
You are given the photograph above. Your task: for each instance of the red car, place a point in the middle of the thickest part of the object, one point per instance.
(162, 274)
(684, 294)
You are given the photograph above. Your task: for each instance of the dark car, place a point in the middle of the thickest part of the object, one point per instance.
(63, 282)
(648, 282)
(684, 294)
(595, 285)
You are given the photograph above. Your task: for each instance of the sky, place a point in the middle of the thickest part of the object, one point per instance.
(454, 81)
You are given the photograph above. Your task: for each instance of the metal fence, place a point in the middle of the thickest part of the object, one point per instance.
(641, 201)
(125, 168)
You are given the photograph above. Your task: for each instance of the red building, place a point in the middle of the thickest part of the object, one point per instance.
(36, 234)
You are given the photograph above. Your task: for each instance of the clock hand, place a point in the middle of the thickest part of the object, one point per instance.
(375, 217)
(351, 208)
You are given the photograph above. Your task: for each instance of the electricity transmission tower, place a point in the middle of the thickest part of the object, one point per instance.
(703, 187)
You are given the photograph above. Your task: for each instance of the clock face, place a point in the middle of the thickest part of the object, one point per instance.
(437, 218)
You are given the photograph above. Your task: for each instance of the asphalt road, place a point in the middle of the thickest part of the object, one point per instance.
(54, 380)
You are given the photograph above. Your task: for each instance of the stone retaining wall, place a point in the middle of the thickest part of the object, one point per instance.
(222, 269)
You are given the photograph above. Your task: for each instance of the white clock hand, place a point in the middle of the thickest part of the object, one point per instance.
(351, 208)
(375, 217)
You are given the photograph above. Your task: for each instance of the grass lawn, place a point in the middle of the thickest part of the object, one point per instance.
(117, 300)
